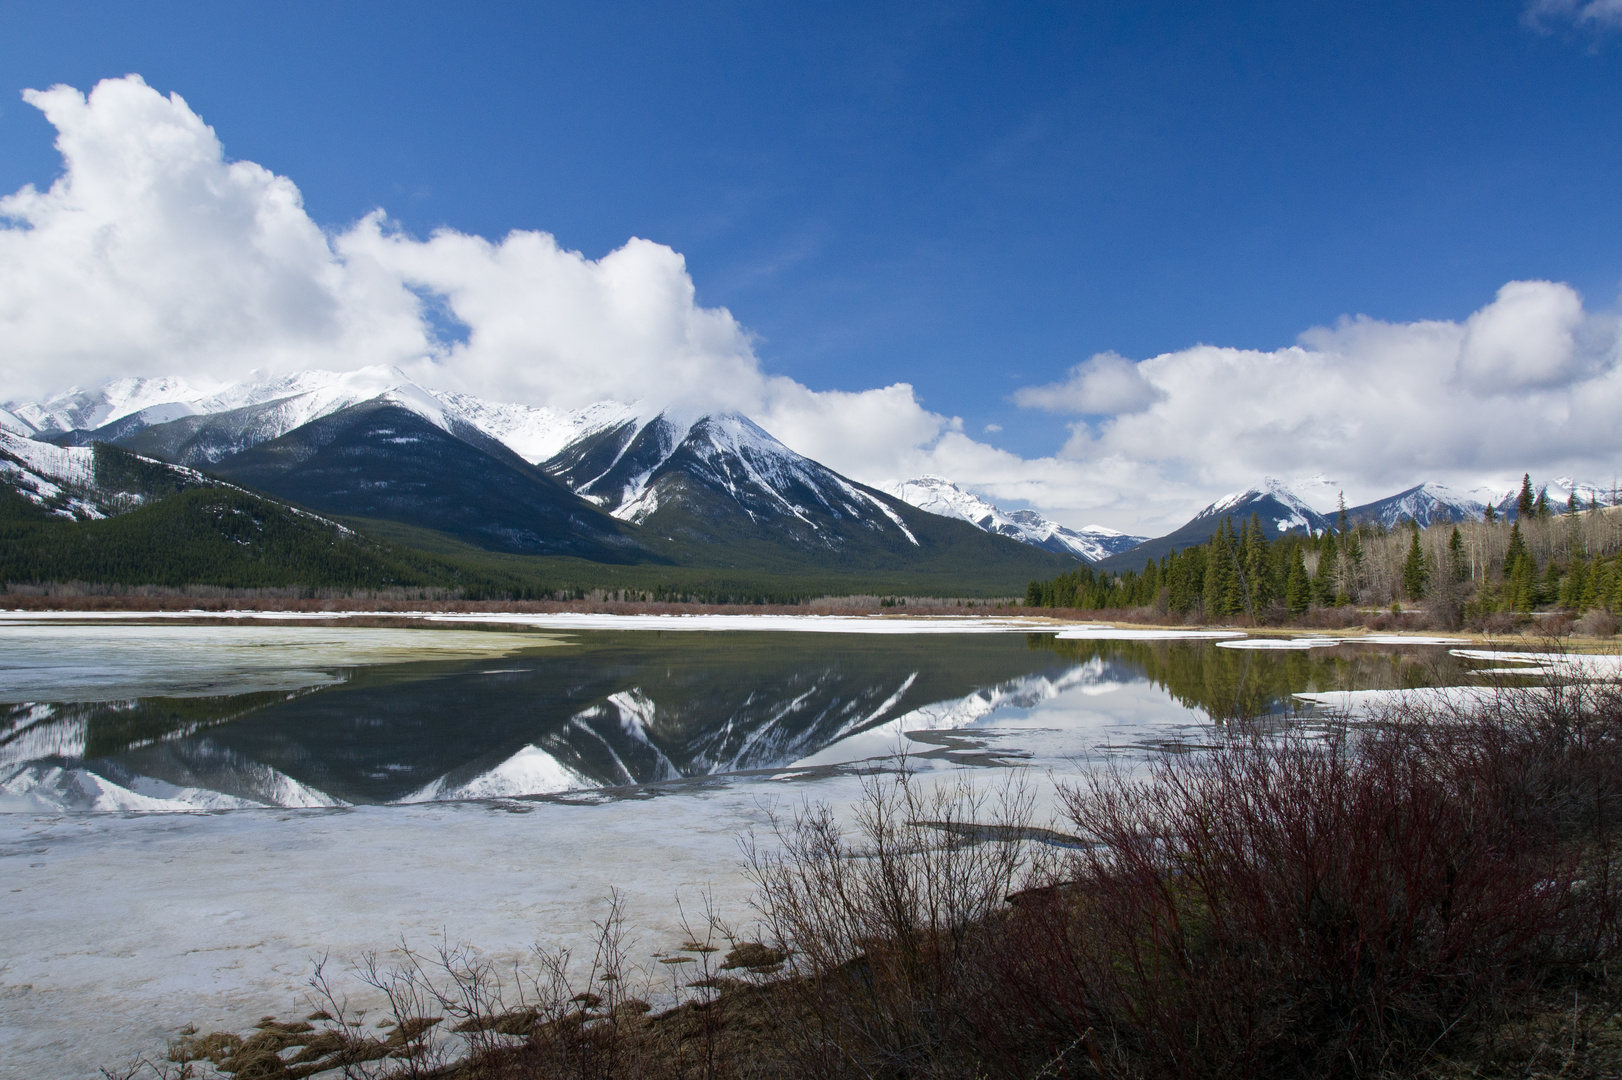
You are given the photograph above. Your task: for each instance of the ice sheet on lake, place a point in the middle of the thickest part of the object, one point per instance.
(1140, 633)
(86, 663)
(1281, 643)
(121, 929)
(1576, 666)
(1363, 704)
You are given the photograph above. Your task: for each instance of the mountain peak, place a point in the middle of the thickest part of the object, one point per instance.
(938, 495)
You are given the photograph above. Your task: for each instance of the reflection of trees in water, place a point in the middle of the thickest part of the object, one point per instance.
(1237, 684)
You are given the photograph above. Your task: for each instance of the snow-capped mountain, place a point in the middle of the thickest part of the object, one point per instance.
(535, 432)
(938, 495)
(1424, 503)
(667, 462)
(1562, 488)
(1278, 504)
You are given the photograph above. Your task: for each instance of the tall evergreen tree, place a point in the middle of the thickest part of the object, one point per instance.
(1323, 579)
(1297, 586)
(1526, 501)
(1221, 582)
(1489, 514)
(1415, 574)
(1540, 509)
(1340, 517)
(1351, 567)
(1455, 555)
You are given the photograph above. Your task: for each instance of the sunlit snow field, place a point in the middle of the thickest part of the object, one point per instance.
(196, 810)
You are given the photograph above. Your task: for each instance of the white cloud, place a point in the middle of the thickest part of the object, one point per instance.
(1595, 13)
(1101, 385)
(152, 253)
(1525, 338)
(1531, 381)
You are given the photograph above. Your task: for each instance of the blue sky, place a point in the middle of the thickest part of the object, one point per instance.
(970, 198)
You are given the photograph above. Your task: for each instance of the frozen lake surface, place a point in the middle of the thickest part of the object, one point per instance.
(198, 810)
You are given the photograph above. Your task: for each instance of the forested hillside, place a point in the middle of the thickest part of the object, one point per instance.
(1465, 572)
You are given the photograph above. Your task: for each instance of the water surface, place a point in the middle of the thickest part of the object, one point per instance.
(228, 716)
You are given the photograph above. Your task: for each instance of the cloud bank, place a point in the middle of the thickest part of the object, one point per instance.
(154, 254)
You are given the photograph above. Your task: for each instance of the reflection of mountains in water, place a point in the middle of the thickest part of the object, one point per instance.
(616, 709)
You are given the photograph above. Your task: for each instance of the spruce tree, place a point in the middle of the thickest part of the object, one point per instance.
(1323, 581)
(1455, 555)
(1415, 575)
(1541, 509)
(1297, 586)
(1351, 565)
(1489, 514)
(1526, 501)
(1221, 583)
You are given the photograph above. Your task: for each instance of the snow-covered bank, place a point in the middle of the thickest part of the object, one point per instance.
(826, 624)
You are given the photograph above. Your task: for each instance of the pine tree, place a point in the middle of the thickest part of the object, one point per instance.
(1526, 501)
(1520, 573)
(1517, 548)
(1221, 582)
(1351, 565)
(1340, 518)
(1541, 509)
(1257, 564)
(1415, 574)
(1455, 555)
(1297, 586)
(1323, 581)
(1489, 514)
(1572, 505)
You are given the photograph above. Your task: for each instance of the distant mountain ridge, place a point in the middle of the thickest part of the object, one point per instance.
(938, 495)
(1275, 503)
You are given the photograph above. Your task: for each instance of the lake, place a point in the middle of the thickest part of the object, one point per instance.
(198, 809)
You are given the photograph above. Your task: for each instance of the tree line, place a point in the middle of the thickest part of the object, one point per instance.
(1537, 558)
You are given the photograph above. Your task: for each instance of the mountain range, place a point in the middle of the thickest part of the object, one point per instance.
(609, 484)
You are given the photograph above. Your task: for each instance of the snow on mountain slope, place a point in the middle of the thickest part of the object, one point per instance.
(643, 464)
(1563, 487)
(61, 479)
(1274, 501)
(1425, 503)
(940, 496)
(78, 409)
(535, 432)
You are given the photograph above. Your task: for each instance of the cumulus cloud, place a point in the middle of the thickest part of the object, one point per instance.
(1104, 384)
(1530, 381)
(153, 253)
